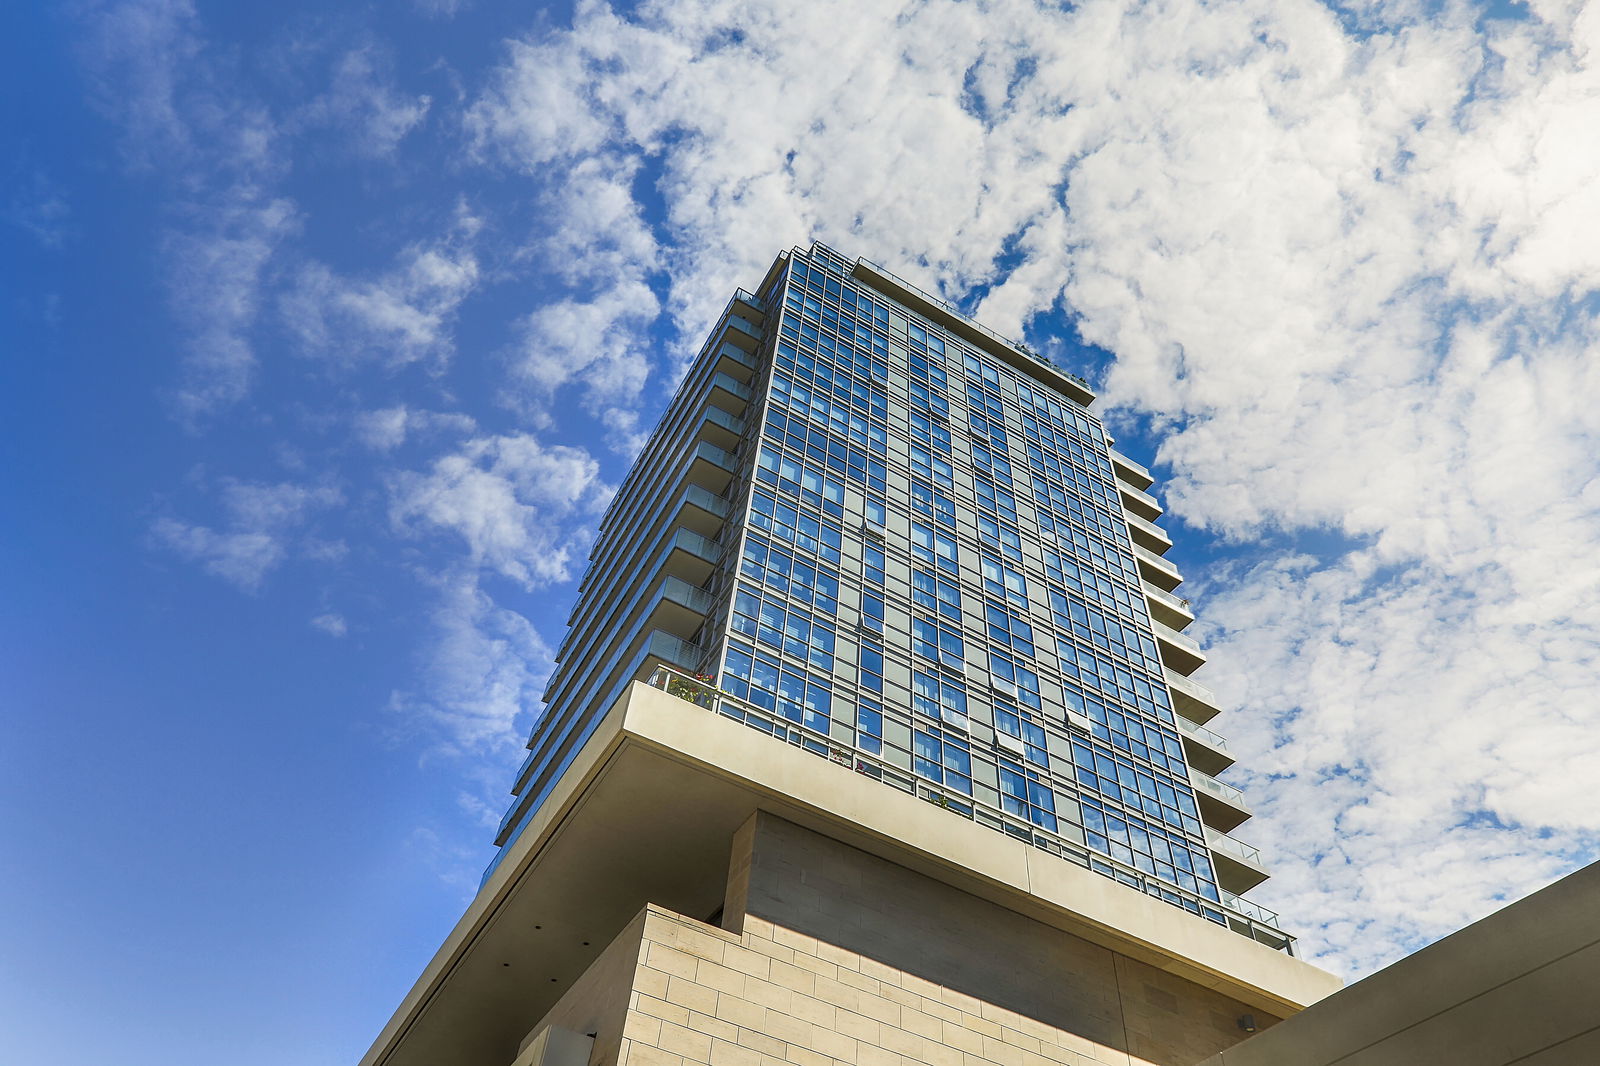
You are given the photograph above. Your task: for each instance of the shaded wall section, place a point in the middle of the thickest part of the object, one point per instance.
(816, 887)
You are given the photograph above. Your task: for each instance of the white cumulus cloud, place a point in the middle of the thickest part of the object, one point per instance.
(387, 428)
(482, 674)
(521, 508)
(403, 315)
(262, 526)
(332, 624)
(362, 102)
(1349, 277)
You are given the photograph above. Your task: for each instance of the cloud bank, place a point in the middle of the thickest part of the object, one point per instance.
(1337, 270)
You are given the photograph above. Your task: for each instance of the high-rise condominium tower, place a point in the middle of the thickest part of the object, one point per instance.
(872, 737)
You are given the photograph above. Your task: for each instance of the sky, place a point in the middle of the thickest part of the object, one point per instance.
(328, 329)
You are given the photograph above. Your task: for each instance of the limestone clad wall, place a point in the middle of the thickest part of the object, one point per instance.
(702, 996)
(771, 996)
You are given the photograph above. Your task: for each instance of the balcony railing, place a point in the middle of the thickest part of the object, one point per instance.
(1178, 603)
(1139, 501)
(731, 426)
(679, 652)
(713, 454)
(1250, 909)
(738, 390)
(1202, 749)
(700, 556)
(693, 543)
(1200, 732)
(703, 693)
(1238, 866)
(1168, 608)
(1138, 476)
(706, 500)
(1147, 534)
(742, 359)
(1191, 699)
(1238, 849)
(1156, 570)
(681, 592)
(743, 332)
(1178, 652)
(1220, 789)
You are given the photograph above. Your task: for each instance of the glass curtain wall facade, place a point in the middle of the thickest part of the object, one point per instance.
(871, 528)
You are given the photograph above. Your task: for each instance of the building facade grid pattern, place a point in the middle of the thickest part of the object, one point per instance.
(912, 550)
(977, 580)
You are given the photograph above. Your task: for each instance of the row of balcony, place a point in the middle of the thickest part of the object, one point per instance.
(703, 474)
(711, 433)
(707, 409)
(1223, 807)
(679, 563)
(704, 425)
(729, 361)
(544, 764)
(652, 628)
(647, 593)
(1169, 611)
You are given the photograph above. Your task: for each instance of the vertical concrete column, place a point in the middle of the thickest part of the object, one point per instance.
(736, 899)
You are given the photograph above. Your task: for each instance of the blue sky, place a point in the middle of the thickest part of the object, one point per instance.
(328, 329)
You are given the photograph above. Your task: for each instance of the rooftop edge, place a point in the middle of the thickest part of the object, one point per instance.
(1012, 354)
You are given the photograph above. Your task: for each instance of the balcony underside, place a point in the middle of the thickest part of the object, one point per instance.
(1178, 652)
(1237, 875)
(1130, 471)
(708, 474)
(1147, 535)
(1139, 502)
(1157, 571)
(688, 563)
(1239, 866)
(1201, 752)
(1170, 610)
(1191, 699)
(1220, 813)
(729, 395)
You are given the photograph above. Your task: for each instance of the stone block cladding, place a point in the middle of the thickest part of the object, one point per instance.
(770, 996)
